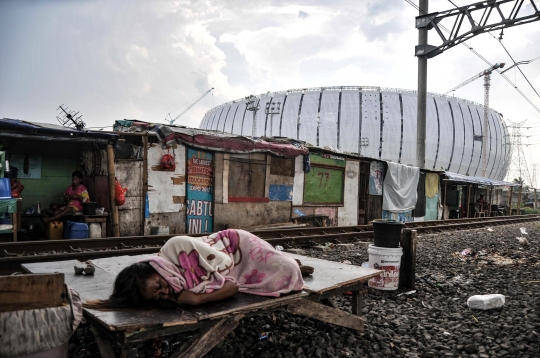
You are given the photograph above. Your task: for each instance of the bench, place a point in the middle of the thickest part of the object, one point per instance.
(127, 329)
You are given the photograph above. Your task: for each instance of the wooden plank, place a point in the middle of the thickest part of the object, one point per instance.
(24, 292)
(327, 314)
(207, 338)
(242, 303)
(331, 275)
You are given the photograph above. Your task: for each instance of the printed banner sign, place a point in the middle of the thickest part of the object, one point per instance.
(199, 192)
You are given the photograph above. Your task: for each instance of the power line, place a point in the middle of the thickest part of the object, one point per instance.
(482, 58)
(508, 53)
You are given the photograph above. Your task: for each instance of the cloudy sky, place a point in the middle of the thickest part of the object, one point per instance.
(141, 60)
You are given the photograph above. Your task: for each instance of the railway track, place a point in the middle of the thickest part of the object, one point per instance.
(13, 254)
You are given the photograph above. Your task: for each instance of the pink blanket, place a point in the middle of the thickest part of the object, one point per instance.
(203, 264)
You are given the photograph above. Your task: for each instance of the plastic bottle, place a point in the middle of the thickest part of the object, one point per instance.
(38, 208)
(264, 336)
(486, 302)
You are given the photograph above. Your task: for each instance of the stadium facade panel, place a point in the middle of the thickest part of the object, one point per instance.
(378, 123)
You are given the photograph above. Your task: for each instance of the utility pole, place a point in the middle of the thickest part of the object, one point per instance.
(272, 110)
(486, 125)
(252, 104)
(422, 90)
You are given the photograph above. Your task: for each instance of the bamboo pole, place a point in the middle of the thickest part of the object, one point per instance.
(115, 229)
(510, 201)
(144, 181)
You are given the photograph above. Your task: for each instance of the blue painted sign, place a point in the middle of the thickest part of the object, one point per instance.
(199, 193)
(403, 217)
(280, 192)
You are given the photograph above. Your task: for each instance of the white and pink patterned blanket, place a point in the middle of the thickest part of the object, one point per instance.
(203, 264)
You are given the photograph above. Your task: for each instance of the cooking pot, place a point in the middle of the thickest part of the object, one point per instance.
(89, 208)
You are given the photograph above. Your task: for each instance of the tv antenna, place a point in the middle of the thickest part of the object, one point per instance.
(69, 118)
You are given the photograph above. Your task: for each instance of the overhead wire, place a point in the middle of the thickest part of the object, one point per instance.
(507, 52)
(481, 57)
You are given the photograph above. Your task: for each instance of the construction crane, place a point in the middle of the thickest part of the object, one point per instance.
(172, 120)
(487, 78)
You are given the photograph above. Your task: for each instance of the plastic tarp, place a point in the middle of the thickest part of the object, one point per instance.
(399, 187)
(219, 141)
(460, 178)
(47, 131)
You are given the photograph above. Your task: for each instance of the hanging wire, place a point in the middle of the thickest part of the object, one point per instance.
(499, 40)
(482, 58)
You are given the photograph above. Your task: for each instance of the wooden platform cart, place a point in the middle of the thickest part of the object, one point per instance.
(127, 329)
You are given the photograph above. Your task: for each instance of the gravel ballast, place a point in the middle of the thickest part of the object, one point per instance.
(433, 321)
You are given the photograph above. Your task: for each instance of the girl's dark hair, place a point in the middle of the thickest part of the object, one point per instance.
(127, 288)
(78, 174)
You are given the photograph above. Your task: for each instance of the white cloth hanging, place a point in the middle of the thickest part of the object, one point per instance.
(399, 187)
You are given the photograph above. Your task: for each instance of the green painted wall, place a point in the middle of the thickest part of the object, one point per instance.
(326, 159)
(58, 161)
(55, 178)
(323, 185)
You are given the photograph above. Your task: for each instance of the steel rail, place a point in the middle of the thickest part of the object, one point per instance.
(119, 243)
(86, 249)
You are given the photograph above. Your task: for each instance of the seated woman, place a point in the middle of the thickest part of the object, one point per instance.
(75, 195)
(197, 270)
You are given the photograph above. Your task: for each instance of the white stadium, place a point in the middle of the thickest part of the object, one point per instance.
(378, 123)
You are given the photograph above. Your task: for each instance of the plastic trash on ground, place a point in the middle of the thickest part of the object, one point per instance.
(486, 302)
(279, 248)
(489, 229)
(523, 231)
(522, 240)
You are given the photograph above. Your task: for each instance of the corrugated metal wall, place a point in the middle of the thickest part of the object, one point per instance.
(377, 123)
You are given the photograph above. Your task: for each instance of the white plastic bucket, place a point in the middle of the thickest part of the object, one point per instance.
(389, 260)
(95, 230)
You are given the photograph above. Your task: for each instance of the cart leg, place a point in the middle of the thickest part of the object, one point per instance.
(105, 347)
(207, 338)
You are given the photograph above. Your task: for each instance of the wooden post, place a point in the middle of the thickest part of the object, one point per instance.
(510, 201)
(444, 199)
(144, 181)
(518, 208)
(490, 201)
(407, 271)
(469, 201)
(115, 229)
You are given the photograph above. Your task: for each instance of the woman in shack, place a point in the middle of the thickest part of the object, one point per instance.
(75, 195)
(197, 270)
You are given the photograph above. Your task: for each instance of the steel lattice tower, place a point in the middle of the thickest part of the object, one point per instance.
(518, 164)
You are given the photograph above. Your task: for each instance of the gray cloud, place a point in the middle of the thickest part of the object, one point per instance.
(302, 14)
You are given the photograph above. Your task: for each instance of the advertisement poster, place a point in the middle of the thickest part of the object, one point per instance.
(199, 191)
